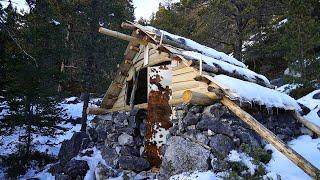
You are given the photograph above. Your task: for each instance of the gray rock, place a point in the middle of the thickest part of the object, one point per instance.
(62, 177)
(182, 156)
(102, 129)
(112, 137)
(126, 130)
(202, 138)
(174, 130)
(103, 172)
(215, 111)
(196, 109)
(219, 165)
(221, 144)
(132, 122)
(120, 117)
(56, 169)
(70, 148)
(215, 126)
(125, 139)
(129, 151)
(133, 163)
(190, 119)
(142, 128)
(109, 155)
(316, 96)
(92, 133)
(75, 168)
(247, 138)
(318, 113)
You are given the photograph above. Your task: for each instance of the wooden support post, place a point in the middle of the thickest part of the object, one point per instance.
(133, 48)
(198, 98)
(313, 127)
(135, 83)
(291, 154)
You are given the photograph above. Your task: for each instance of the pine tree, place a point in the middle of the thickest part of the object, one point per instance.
(93, 56)
(31, 72)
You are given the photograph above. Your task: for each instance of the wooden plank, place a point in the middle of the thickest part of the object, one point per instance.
(178, 94)
(179, 86)
(313, 127)
(200, 98)
(183, 70)
(184, 77)
(291, 154)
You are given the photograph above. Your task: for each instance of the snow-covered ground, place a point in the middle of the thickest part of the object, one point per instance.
(314, 105)
(51, 145)
(278, 166)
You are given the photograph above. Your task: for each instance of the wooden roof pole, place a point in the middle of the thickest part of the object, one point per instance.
(121, 36)
(291, 154)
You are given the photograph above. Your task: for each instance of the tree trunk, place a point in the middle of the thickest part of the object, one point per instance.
(84, 111)
(28, 116)
(238, 49)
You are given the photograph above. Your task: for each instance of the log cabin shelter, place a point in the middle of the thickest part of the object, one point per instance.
(161, 70)
(156, 60)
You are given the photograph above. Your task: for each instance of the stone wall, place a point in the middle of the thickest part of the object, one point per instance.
(200, 139)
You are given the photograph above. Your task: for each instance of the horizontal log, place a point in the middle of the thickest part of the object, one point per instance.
(200, 98)
(187, 85)
(97, 111)
(184, 77)
(122, 36)
(128, 26)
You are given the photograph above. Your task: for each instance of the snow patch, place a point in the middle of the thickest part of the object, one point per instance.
(197, 176)
(287, 88)
(306, 146)
(92, 161)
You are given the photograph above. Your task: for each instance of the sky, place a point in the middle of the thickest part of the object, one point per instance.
(143, 8)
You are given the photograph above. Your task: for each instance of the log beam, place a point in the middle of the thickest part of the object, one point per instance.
(97, 111)
(291, 154)
(128, 26)
(199, 98)
(121, 36)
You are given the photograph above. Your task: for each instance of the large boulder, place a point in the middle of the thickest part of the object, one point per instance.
(190, 119)
(133, 163)
(70, 148)
(103, 172)
(182, 155)
(215, 126)
(125, 139)
(110, 155)
(221, 144)
(76, 168)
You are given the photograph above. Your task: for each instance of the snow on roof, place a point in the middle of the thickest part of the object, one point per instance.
(201, 48)
(250, 92)
(246, 73)
(225, 63)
